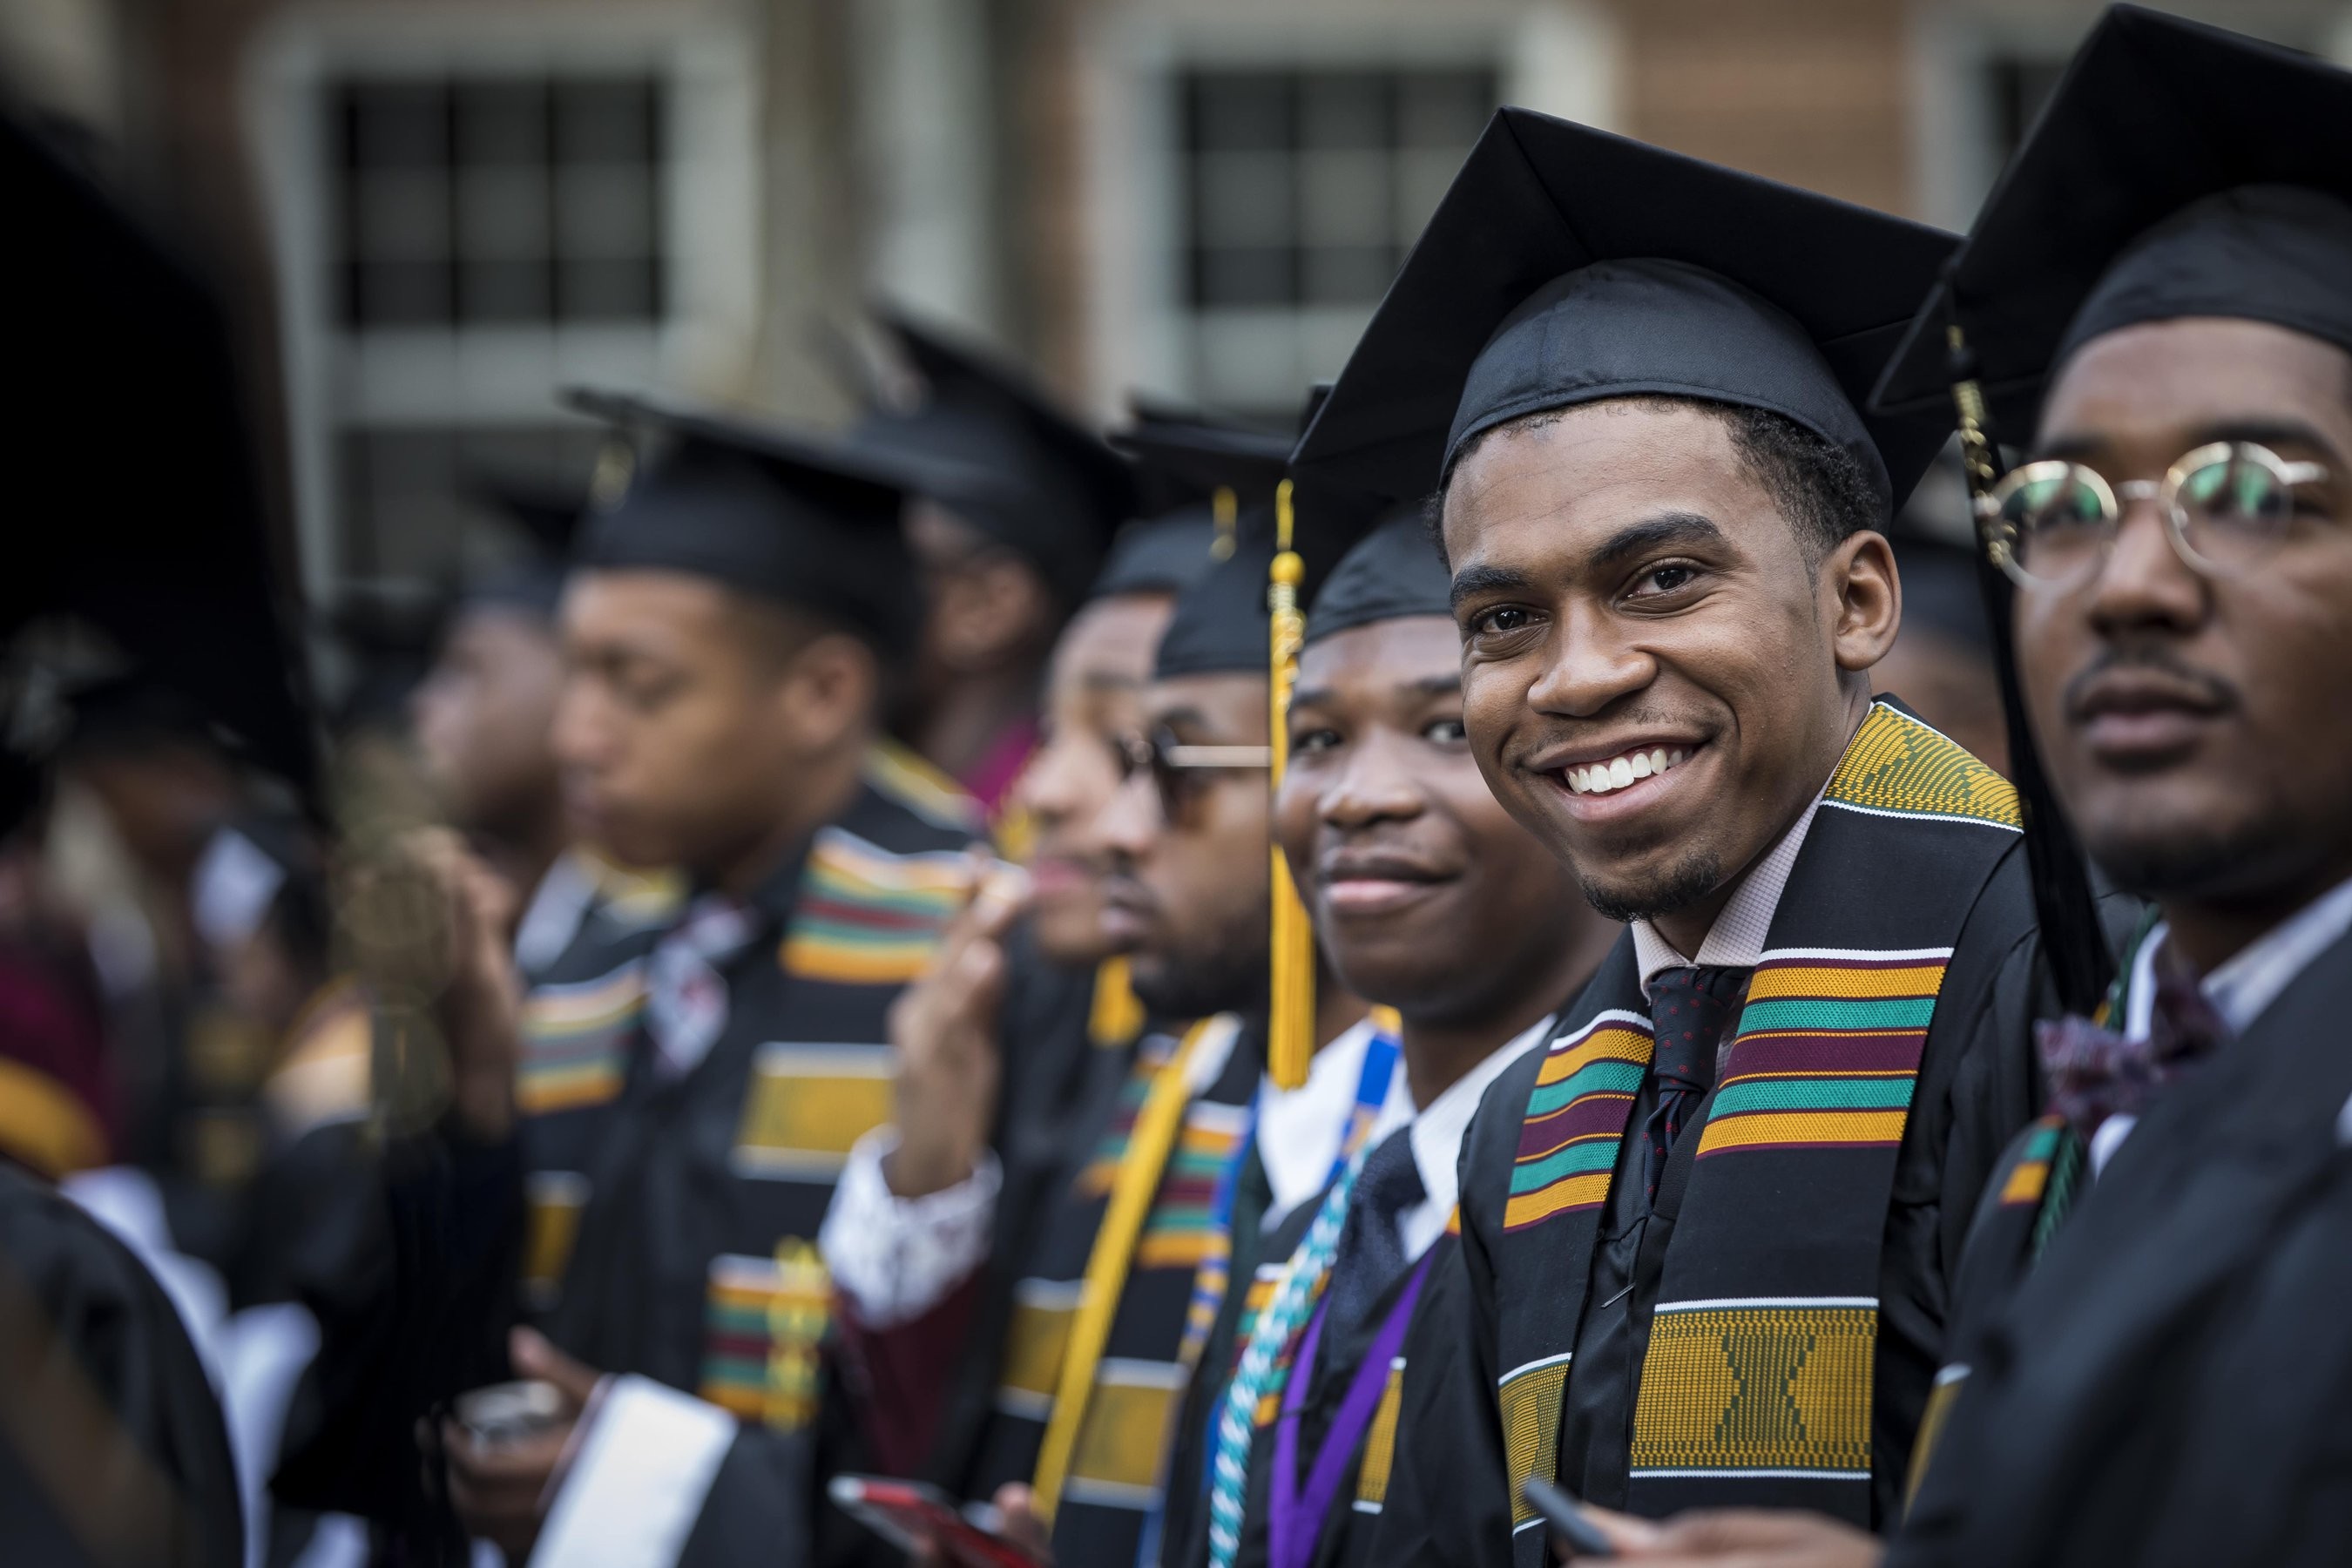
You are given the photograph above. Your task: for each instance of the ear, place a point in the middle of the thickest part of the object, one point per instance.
(1862, 600)
(829, 691)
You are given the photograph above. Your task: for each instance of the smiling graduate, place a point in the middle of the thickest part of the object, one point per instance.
(1706, 1231)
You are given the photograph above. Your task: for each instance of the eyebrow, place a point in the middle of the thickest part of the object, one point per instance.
(1446, 685)
(1683, 528)
(2088, 446)
(1103, 680)
(1473, 581)
(1688, 529)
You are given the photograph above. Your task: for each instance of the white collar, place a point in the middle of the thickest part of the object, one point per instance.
(1299, 1131)
(1437, 1133)
(1735, 941)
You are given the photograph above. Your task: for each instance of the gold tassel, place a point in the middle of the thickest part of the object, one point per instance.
(1290, 1024)
(1225, 509)
(1977, 458)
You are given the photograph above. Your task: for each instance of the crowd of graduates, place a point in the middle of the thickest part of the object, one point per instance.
(1528, 970)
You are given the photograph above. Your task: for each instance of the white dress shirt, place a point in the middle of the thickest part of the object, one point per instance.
(1735, 941)
(1437, 1135)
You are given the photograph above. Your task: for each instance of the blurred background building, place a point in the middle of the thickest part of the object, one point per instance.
(429, 215)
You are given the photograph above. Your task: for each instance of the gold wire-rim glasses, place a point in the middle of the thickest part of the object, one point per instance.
(2205, 474)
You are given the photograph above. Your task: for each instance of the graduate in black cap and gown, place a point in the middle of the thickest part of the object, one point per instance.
(1017, 504)
(483, 716)
(1428, 899)
(639, 1163)
(2149, 1362)
(1011, 1051)
(1707, 1231)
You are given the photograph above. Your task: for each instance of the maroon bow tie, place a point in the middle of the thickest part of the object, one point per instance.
(2094, 1073)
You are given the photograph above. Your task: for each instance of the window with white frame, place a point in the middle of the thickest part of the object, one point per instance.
(479, 211)
(471, 213)
(1300, 190)
(497, 200)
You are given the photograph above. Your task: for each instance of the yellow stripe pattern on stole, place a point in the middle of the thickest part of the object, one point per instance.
(1763, 1385)
(1106, 1277)
(1379, 1443)
(1530, 1399)
(1897, 766)
(806, 1105)
(1036, 1339)
(1116, 1461)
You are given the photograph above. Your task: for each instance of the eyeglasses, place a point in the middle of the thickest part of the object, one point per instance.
(2225, 507)
(1179, 770)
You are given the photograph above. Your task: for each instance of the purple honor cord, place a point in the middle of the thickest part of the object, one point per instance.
(1294, 1519)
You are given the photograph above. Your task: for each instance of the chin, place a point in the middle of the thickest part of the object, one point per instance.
(1072, 934)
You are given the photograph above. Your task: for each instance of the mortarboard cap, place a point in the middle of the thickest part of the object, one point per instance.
(803, 520)
(1164, 554)
(1567, 266)
(540, 522)
(1211, 473)
(169, 554)
(2178, 170)
(1392, 573)
(988, 445)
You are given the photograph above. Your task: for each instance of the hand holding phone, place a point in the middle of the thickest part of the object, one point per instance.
(1563, 1515)
(917, 1519)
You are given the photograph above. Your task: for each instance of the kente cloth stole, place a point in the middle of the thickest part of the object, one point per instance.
(1756, 1386)
(1121, 1243)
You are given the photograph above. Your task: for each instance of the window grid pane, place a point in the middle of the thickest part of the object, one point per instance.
(496, 201)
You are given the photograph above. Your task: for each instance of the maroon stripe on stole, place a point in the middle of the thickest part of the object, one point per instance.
(1586, 1116)
(1833, 1053)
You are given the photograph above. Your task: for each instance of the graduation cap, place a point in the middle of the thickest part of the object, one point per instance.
(1568, 266)
(1392, 573)
(542, 520)
(2178, 170)
(992, 447)
(804, 520)
(133, 503)
(1204, 475)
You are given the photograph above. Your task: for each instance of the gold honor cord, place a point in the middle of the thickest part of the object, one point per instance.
(1290, 1024)
(1226, 508)
(1131, 1192)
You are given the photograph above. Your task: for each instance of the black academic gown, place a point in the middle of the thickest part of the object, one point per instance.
(1116, 1476)
(1062, 1069)
(2166, 1384)
(652, 1225)
(1900, 977)
(1345, 1535)
(111, 1444)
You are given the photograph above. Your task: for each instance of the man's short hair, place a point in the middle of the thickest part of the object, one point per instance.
(1820, 486)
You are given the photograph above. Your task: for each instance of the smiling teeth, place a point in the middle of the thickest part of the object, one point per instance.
(1599, 778)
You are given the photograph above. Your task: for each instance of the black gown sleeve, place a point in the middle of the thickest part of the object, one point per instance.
(413, 1301)
(111, 1444)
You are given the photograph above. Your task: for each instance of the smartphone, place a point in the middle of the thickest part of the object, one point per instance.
(507, 1413)
(1563, 1515)
(913, 1516)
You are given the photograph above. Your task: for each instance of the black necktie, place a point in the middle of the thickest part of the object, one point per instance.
(1370, 1253)
(1691, 1010)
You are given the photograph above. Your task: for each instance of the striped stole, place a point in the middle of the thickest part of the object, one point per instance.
(1756, 1384)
